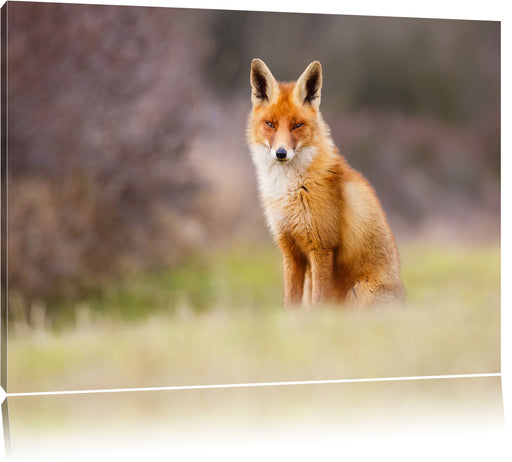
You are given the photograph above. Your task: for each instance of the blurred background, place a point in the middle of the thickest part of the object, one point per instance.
(132, 196)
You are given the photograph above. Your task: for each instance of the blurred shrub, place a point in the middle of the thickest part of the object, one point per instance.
(103, 102)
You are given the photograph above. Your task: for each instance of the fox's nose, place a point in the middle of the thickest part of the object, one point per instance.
(281, 153)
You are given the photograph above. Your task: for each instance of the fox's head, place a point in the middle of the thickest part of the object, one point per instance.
(285, 117)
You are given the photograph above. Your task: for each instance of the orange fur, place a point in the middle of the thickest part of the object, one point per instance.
(325, 217)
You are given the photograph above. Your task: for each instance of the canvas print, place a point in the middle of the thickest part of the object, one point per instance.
(202, 197)
(286, 209)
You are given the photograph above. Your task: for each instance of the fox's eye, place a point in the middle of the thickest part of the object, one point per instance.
(297, 126)
(270, 124)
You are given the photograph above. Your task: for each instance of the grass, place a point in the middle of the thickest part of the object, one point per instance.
(219, 320)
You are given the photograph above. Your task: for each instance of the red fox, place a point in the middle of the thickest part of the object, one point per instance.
(336, 243)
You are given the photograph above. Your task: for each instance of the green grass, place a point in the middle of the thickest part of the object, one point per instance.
(241, 278)
(219, 319)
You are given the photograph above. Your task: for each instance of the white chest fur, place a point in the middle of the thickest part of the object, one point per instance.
(280, 182)
(277, 179)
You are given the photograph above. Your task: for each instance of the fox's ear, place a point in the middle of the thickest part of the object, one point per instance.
(264, 86)
(308, 86)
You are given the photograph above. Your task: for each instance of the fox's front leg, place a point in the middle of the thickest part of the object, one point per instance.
(321, 263)
(306, 296)
(294, 268)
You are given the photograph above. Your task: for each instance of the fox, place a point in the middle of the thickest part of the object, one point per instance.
(336, 243)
